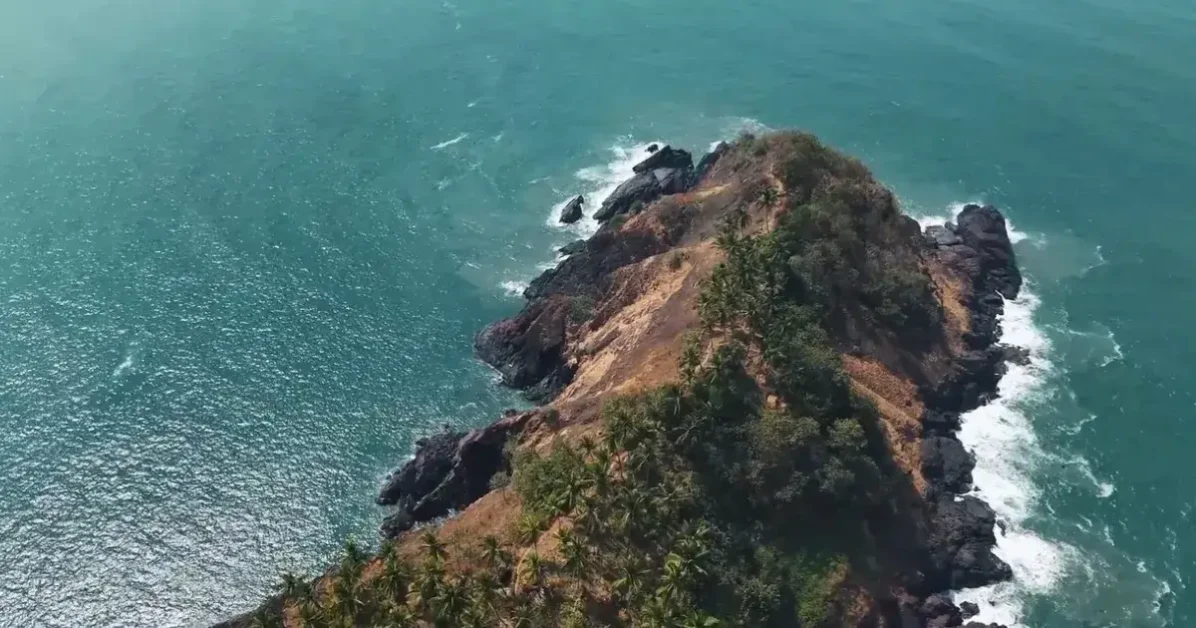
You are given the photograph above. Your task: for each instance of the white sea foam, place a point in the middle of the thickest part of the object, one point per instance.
(598, 182)
(125, 365)
(1007, 451)
(456, 140)
(514, 288)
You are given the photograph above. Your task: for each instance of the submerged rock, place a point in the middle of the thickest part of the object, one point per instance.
(571, 213)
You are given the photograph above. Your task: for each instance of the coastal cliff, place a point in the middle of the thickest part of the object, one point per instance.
(750, 379)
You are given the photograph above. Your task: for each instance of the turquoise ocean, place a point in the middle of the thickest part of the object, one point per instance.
(244, 246)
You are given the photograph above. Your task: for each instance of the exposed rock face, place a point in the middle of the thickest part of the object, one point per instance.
(433, 460)
(528, 349)
(573, 247)
(945, 462)
(961, 530)
(968, 610)
(666, 157)
(708, 160)
(961, 546)
(666, 171)
(642, 188)
(450, 471)
(571, 213)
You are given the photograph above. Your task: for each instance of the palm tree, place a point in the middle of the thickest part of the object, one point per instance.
(697, 619)
(631, 579)
(397, 616)
(353, 557)
(433, 546)
(265, 618)
(311, 615)
(345, 600)
(293, 586)
(494, 556)
(450, 601)
(533, 570)
(394, 576)
(574, 551)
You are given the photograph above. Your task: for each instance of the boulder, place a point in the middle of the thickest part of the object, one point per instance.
(642, 188)
(939, 612)
(666, 157)
(571, 213)
(960, 546)
(652, 148)
(946, 464)
(968, 610)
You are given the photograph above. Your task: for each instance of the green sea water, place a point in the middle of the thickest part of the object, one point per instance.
(244, 246)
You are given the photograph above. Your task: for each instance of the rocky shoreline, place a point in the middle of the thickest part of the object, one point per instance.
(451, 470)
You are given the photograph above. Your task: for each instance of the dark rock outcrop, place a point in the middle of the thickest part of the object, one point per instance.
(666, 157)
(947, 464)
(573, 248)
(968, 610)
(959, 549)
(961, 546)
(708, 160)
(450, 471)
(423, 473)
(642, 188)
(529, 348)
(571, 213)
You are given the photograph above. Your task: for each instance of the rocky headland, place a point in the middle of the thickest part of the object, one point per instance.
(910, 320)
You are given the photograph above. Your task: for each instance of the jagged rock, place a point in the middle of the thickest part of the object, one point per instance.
(529, 347)
(960, 546)
(573, 247)
(978, 245)
(462, 478)
(586, 271)
(936, 422)
(1016, 355)
(947, 464)
(708, 160)
(571, 213)
(942, 236)
(671, 180)
(939, 612)
(433, 459)
(652, 148)
(641, 188)
(968, 610)
(666, 157)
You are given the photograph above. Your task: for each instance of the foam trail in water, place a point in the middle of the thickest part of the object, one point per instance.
(447, 143)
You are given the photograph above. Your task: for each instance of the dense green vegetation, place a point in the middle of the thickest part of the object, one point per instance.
(732, 498)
